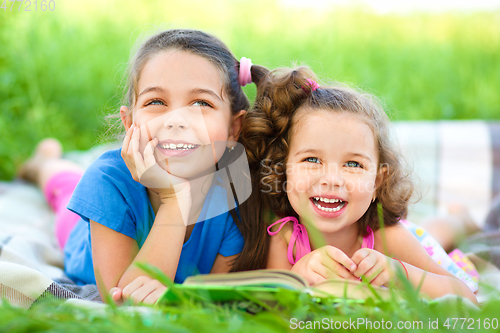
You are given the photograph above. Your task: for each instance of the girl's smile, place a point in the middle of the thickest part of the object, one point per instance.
(328, 206)
(177, 148)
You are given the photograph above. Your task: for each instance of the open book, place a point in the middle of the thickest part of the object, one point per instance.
(263, 285)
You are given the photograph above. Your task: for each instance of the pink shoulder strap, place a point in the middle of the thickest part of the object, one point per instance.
(368, 240)
(299, 238)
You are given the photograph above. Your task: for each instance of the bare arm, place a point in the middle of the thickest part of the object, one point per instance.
(437, 281)
(112, 253)
(277, 255)
(222, 264)
(115, 254)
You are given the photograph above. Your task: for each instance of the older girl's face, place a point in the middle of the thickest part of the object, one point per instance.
(331, 168)
(182, 103)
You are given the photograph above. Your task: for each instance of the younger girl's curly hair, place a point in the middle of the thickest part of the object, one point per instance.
(268, 128)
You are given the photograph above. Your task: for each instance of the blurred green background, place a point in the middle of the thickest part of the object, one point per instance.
(62, 71)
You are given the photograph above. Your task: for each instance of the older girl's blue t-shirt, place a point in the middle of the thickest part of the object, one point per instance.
(108, 195)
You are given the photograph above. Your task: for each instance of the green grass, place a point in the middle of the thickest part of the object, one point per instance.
(290, 312)
(61, 72)
(228, 318)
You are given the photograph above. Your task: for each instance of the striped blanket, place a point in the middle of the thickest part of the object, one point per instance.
(31, 264)
(454, 162)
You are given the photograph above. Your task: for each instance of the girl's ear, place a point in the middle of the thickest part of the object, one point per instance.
(236, 126)
(126, 117)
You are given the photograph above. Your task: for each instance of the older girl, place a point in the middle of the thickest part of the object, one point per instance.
(157, 199)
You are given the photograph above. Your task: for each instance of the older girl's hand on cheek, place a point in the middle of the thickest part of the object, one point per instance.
(143, 165)
(327, 262)
(145, 169)
(143, 290)
(374, 267)
(127, 154)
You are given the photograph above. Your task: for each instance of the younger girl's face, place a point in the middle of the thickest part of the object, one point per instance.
(181, 101)
(331, 168)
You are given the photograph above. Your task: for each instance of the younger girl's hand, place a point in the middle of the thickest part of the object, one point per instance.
(327, 262)
(375, 267)
(142, 290)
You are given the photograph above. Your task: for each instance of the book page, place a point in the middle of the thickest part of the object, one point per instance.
(264, 277)
(349, 289)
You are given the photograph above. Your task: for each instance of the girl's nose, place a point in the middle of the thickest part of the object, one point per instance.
(175, 120)
(332, 176)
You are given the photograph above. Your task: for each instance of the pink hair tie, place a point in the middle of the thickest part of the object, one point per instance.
(245, 75)
(311, 83)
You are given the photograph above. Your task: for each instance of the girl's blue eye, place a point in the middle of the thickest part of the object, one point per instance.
(353, 164)
(312, 159)
(202, 103)
(155, 102)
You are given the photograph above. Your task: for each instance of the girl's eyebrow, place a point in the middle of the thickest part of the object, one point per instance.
(205, 91)
(361, 155)
(194, 91)
(148, 89)
(307, 150)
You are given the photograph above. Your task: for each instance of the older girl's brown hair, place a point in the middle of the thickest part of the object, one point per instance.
(267, 132)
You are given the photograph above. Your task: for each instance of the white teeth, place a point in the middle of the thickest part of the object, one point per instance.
(317, 201)
(336, 209)
(179, 146)
(326, 200)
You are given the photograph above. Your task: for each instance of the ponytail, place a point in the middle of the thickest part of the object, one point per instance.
(252, 224)
(266, 123)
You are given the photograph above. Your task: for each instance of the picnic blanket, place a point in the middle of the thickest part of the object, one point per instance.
(452, 162)
(486, 244)
(31, 264)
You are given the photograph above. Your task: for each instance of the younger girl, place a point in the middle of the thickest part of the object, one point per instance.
(141, 203)
(327, 162)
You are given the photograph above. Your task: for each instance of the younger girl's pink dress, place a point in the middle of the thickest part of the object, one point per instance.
(300, 239)
(455, 262)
